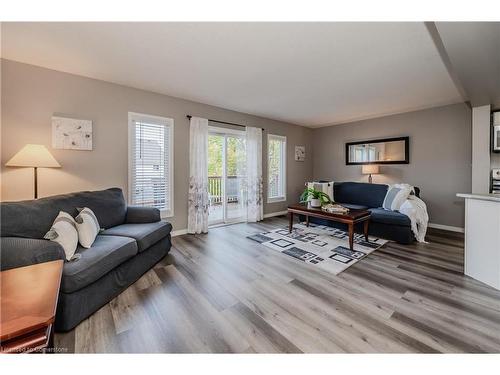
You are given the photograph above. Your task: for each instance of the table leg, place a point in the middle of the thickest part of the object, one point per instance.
(307, 221)
(50, 344)
(290, 226)
(351, 236)
(365, 229)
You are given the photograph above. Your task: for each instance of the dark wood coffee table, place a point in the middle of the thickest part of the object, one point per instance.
(28, 304)
(350, 218)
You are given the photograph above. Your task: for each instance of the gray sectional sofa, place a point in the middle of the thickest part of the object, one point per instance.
(134, 240)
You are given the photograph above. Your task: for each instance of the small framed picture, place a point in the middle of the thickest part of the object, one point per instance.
(71, 134)
(300, 153)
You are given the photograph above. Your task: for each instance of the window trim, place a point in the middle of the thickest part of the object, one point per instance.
(168, 122)
(281, 138)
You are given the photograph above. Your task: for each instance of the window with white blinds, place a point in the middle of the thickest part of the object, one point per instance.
(276, 168)
(151, 161)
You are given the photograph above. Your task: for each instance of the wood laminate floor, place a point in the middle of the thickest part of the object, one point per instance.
(223, 293)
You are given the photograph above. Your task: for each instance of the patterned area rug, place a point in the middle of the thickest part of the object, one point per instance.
(318, 245)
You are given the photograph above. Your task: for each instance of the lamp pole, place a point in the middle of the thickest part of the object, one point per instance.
(35, 171)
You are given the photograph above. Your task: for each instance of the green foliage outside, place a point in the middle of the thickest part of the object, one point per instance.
(236, 158)
(274, 166)
(215, 155)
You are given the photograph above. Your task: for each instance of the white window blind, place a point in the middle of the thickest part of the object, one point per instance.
(276, 168)
(150, 162)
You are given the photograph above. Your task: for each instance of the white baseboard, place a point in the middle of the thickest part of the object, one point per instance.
(178, 232)
(446, 227)
(273, 214)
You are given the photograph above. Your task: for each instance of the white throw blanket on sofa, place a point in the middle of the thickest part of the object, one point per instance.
(416, 209)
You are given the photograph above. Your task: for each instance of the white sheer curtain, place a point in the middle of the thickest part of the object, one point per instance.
(255, 208)
(198, 176)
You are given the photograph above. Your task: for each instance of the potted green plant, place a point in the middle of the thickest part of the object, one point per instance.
(315, 197)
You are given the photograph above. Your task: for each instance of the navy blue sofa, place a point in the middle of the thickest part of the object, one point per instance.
(133, 241)
(390, 225)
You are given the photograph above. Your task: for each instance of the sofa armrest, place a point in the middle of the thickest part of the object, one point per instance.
(19, 252)
(140, 215)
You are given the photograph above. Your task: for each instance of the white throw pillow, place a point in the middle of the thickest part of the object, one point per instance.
(63, 231)
(87, 226)
(396, 195)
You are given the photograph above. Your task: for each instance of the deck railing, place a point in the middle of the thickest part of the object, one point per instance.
(234, 188)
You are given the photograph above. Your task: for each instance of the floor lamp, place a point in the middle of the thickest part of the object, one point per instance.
(33, 156)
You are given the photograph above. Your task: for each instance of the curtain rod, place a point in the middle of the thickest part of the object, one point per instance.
(222, 122)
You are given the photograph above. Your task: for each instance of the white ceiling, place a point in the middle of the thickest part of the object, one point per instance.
(312, 74)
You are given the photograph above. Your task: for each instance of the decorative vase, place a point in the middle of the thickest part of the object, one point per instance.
(315, 202)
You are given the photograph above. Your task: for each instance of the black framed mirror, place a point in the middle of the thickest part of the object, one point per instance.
(378, 151)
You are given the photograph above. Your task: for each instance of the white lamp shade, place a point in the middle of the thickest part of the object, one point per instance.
(33, 156)
(370, 169)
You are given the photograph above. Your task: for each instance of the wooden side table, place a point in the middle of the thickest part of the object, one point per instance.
(28, 307)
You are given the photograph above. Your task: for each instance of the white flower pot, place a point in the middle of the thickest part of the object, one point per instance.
(315, 202)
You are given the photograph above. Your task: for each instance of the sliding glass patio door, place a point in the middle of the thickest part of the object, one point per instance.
(226, 176)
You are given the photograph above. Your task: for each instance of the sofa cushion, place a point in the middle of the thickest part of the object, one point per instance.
(370, 195)
(379, 215)
(145, 234)
(19, 218)
(142, 214)
(106, 253)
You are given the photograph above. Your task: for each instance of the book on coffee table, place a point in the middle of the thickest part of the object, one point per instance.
(335, 208)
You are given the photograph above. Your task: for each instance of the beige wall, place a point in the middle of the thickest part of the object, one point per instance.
(440, 142)
(440, 156)
(31, 95)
